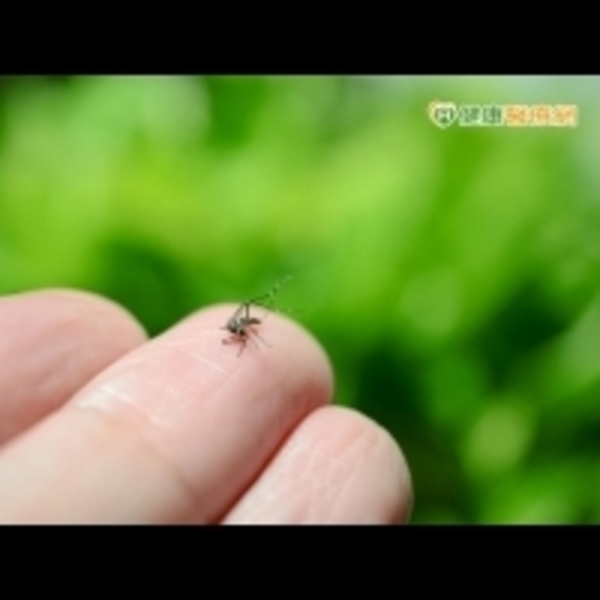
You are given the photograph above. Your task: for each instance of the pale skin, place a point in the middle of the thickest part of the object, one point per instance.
(98, 424)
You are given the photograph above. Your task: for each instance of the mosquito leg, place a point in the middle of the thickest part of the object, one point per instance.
(261, 339)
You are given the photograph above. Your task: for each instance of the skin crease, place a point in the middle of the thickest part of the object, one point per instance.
(108, 427)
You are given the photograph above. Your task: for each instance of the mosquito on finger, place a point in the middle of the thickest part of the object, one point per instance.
(242, 325)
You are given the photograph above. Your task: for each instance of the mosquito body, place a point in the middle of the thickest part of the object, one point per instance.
(242, 325)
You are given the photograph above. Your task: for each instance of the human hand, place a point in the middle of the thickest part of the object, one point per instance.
(100, 425)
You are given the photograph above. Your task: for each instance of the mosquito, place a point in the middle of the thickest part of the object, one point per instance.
(242, 324)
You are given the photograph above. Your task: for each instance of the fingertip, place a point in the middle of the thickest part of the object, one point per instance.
(63, 303)
(385, 491)
(53, 342)
(277, 346)
(338, 466)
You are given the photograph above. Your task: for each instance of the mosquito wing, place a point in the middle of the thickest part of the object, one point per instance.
(266, 300)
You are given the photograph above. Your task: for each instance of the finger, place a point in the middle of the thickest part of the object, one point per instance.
(336, 467)
(174, 431)
(51, 343)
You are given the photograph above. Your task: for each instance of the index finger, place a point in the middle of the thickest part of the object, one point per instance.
(174, 431)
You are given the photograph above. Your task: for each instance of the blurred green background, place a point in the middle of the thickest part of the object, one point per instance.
(451, 274)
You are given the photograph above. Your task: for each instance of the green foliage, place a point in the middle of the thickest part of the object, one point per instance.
(451, 274)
